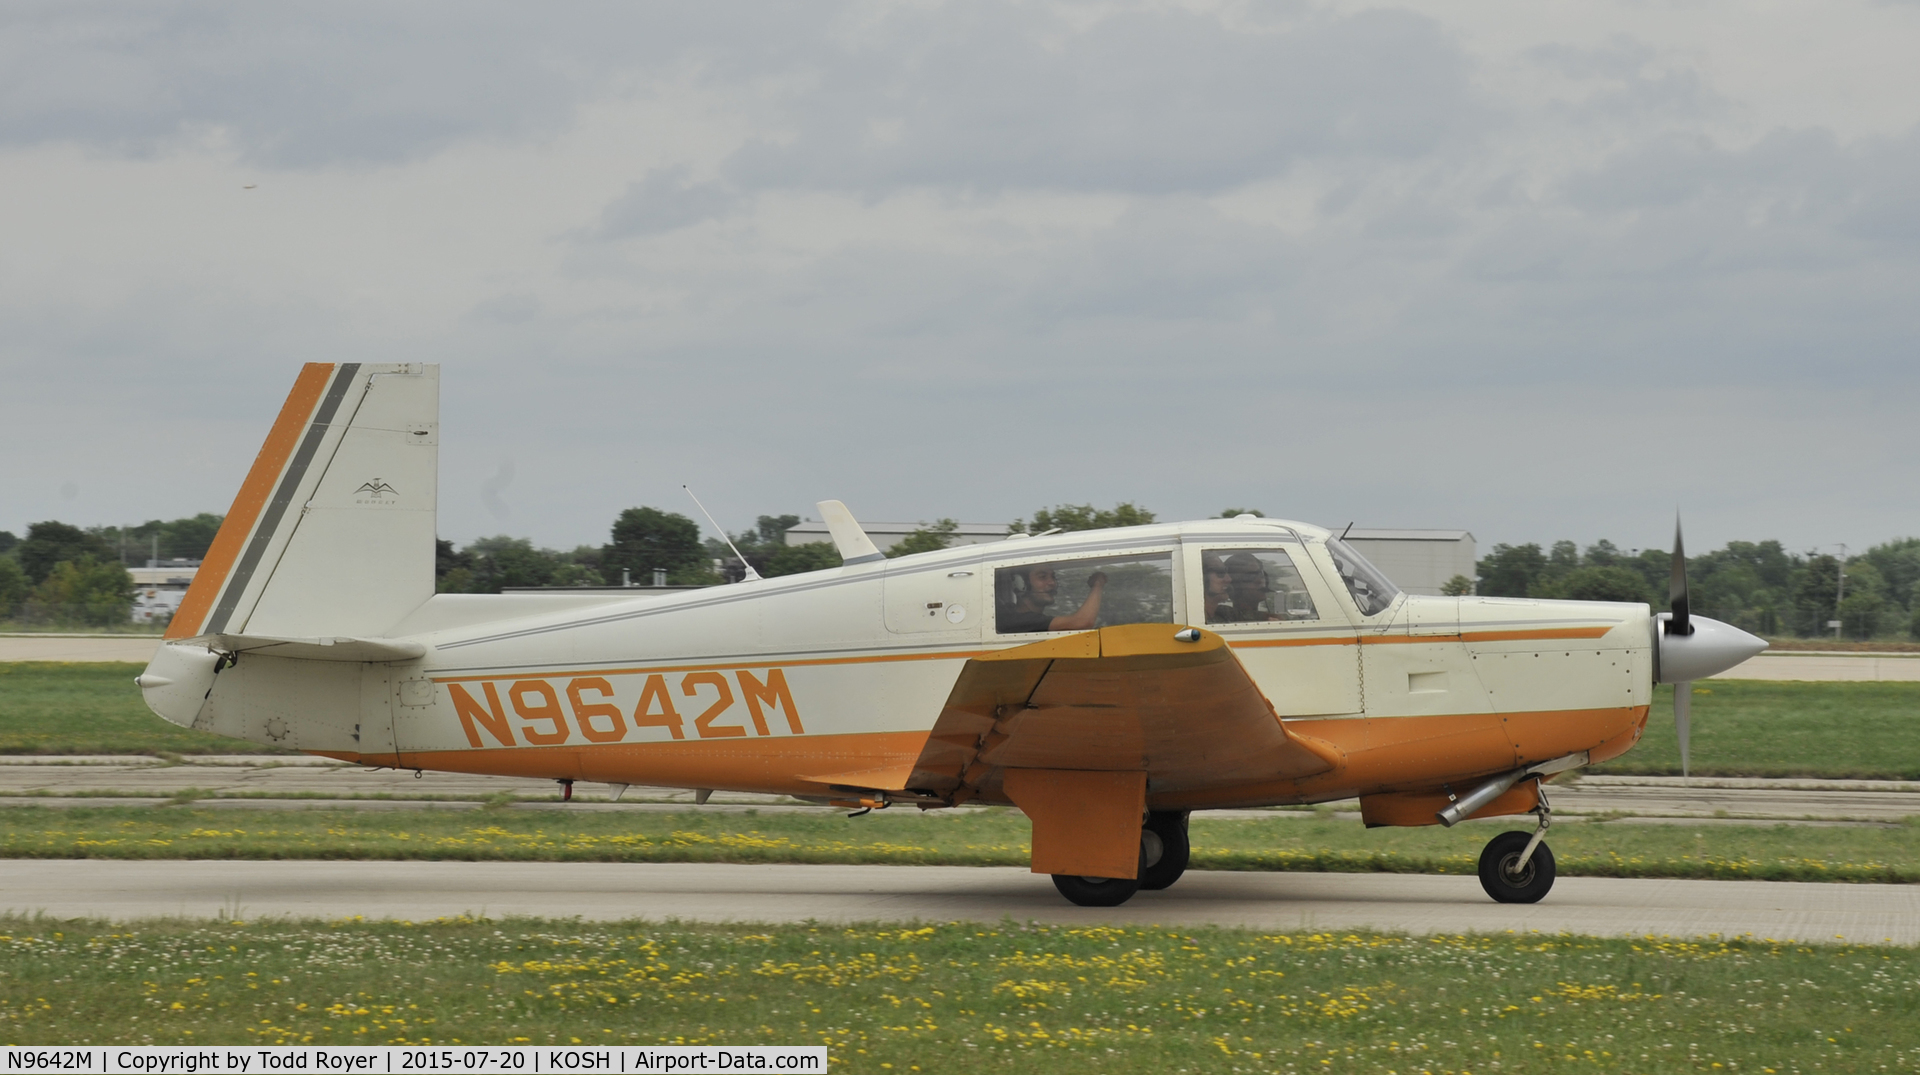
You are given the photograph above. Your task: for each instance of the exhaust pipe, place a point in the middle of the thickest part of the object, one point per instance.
(1462, 808)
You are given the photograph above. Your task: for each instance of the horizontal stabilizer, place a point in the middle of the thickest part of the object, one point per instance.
(315, 649)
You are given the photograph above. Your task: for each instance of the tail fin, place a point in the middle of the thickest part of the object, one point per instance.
(333, 531)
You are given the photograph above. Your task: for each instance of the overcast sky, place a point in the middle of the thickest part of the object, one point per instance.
(1533, 269)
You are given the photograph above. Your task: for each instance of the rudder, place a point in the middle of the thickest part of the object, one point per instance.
(332, 533)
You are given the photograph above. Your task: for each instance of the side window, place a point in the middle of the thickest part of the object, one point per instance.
(1080, 595)
(1252, 586)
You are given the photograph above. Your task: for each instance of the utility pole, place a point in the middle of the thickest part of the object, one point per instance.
(1840, 592)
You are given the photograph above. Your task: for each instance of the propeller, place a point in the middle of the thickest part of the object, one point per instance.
(1689, 647)
(1680, 623)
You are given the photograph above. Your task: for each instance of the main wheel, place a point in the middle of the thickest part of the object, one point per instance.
(1497, 875)
(1096, 891)
(1164, 849)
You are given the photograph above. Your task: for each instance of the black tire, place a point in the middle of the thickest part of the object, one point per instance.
(1533, 882)
(1169, 830)
(1096, 891)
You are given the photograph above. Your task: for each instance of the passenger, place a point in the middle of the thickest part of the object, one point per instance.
(1029, 611)
(1215, 571)
(1247, 585)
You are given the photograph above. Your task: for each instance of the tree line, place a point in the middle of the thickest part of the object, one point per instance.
(646, 539)
(64, 575)
(1757, 586)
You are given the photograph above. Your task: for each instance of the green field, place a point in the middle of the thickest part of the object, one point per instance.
(994, 837)
(1749, 727)
(962, 997)
(49, 707)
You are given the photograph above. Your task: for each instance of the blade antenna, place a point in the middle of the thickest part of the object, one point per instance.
(752, 575)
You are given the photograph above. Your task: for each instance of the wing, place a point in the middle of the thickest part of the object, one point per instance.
(1119, 699)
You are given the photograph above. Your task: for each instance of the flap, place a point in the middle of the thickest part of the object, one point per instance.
(314, 649)
(880, 778)
(1129, 698)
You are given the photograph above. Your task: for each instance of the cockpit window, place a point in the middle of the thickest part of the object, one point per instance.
(1080, 595)
(1371, 590)
(1252, 586)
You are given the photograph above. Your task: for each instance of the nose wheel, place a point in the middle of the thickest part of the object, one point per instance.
(1517, 867)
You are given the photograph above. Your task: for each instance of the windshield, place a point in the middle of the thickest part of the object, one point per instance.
(1371, 590)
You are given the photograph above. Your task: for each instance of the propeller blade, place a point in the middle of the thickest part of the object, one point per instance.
(1683, 722)
(1682, 621)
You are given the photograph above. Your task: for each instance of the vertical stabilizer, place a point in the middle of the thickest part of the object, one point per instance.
(854, 544)
(332, 532)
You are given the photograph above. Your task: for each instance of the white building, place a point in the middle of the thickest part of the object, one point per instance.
(159, 587)
(1418, 561)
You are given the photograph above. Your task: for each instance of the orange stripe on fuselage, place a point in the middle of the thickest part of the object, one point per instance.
(253, 496)
(1532, 636)
(963, 655)
(764, 662)
(1538, 634)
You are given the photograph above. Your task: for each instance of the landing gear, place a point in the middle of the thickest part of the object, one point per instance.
(1517, 867)
(1163, 849)
(1163, 858)
(1096, 891)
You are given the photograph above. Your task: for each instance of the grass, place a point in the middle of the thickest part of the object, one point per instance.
(52, 707)
(965, 997)
(130, 630)
(1745, 727)
(997, 837)
(1846, 645)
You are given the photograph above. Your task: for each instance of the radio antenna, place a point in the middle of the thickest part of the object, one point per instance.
(1344, 533)
(752, 575)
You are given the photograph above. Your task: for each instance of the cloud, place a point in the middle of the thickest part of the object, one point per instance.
(309, 85)
(664, 201)
(995, 96)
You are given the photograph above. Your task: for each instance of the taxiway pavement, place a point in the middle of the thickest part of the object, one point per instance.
(703, 892)
(297, 782)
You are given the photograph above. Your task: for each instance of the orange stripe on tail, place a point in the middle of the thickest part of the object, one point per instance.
(253, 496)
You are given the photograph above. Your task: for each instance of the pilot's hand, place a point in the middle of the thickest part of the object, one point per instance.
(1096, 580)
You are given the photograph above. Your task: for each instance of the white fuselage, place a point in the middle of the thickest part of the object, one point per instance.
(779, 684)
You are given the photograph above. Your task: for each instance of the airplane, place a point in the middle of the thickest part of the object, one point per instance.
(1106, 683)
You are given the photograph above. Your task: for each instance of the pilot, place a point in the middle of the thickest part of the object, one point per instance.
(1029, 611)
(1218, 610)
(1247, 588)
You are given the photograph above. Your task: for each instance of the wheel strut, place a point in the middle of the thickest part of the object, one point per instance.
(1539, 833)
